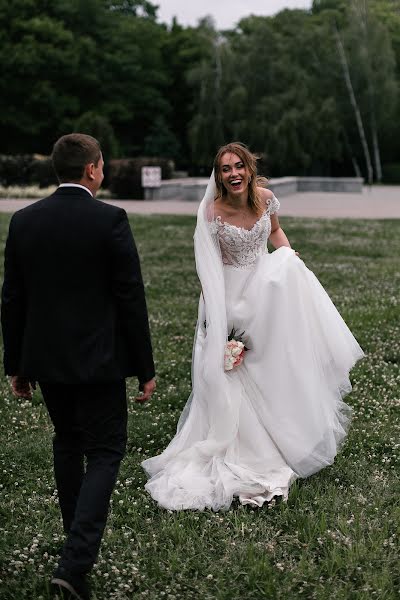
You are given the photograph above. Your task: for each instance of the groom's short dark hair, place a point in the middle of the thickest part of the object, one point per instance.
(71, 153)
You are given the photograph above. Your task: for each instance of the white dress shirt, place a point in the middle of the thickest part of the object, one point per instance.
(76, 185)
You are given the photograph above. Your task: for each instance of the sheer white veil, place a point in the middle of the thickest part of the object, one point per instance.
(210, 383)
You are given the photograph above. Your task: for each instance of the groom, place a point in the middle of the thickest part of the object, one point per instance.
(74, 319)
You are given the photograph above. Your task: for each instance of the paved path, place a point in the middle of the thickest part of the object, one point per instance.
(375, 203)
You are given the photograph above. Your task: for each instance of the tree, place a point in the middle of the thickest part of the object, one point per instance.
(133, 84)
(161, 141)
(99, 127)
(314, 92)
(183, 49)
(207, 79)
(374, 64)
(278, 100)
(62, 59)
(354, 103)
(39, 57)
(137, 8)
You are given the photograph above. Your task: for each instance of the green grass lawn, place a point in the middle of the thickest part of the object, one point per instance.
(335, 537)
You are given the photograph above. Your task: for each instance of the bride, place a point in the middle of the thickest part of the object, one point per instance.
(271, 357)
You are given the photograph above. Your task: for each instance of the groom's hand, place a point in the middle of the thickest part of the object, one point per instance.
(147, 389)
(20, 387)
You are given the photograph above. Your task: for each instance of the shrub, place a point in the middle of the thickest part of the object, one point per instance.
(122, 176)
(15, 170)
(26, 169)
(125, 175)
(161, 140)
(391, 173)
(42, 172)
(99, 127)
(26, 191)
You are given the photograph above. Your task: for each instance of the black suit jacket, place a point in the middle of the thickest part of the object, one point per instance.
(73, 305)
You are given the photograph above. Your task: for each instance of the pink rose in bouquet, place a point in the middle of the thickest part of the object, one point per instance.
(234, 354)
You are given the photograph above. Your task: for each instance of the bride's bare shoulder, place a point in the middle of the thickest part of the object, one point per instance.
(265, 193)
(218, 208)
(210, 211)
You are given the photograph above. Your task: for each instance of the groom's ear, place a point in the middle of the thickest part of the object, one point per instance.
(89, 171)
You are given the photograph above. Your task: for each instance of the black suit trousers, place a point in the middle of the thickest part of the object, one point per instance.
(90, 421)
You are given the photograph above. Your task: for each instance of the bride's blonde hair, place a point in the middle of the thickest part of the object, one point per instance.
(249, 160)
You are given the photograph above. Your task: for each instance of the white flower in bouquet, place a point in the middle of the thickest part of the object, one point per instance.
(234, 350)
(234, 354)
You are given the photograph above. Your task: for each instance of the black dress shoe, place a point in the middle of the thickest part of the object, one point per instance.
(69, 586)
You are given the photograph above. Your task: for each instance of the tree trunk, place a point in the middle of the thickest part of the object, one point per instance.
(375, 145)
(361, 7)
(354, 160)
(219, 130)
(357, 113)
(356, 166)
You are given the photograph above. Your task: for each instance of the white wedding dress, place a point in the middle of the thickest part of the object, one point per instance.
(252, 431)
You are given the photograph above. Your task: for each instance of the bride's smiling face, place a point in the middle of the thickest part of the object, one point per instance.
(233, 172)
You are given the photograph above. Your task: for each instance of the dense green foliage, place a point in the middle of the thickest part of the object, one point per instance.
(278, 83)
(334, 539)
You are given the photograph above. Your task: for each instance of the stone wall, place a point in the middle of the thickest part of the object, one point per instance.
(193, 189)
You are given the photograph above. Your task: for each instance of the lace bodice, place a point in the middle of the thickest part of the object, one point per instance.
(241, 247)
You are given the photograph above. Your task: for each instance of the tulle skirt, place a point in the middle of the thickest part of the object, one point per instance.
(286, 397)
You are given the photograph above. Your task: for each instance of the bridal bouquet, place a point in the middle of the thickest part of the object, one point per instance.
(234, 350)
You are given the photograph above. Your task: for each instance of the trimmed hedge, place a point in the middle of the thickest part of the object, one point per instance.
(26, 169)
(391, 173)
(42, 172)
(123, 177)
(15, 170)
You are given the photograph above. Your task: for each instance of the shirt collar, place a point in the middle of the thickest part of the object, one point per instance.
(78, 185)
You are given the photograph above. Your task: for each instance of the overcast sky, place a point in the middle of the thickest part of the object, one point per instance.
(225, 12)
